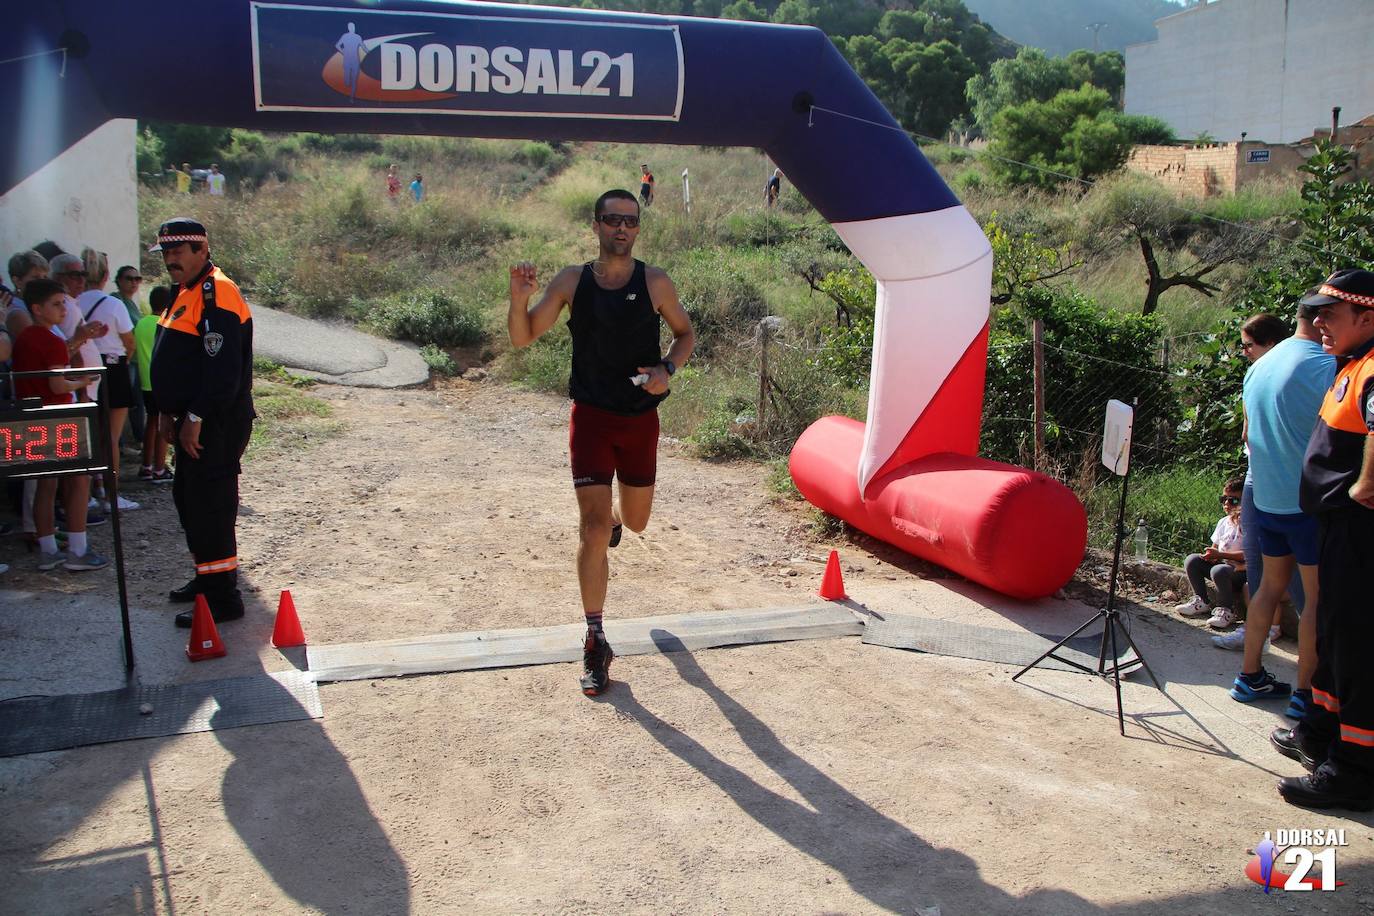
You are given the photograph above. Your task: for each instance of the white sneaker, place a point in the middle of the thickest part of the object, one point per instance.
(1235, 640)
(1221, 618)
(125, 505)
(1194, 608)
(1275, 632)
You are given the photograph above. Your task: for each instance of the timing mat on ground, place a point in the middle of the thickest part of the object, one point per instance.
(30, 725)
(989, 644)
(549, 645)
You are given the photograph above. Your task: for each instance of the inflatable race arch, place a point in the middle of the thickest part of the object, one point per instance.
(909, 476)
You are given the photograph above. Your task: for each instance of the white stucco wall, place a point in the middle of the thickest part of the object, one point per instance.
(1272, 68)
(86, 196)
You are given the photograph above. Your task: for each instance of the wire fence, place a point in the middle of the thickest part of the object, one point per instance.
(1047, 413)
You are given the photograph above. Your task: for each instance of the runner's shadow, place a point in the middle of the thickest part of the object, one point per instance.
(879, 857)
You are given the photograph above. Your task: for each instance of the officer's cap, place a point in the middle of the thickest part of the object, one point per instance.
(177, 230)
(1350, 285)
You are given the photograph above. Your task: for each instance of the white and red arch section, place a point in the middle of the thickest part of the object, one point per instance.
(909, 475)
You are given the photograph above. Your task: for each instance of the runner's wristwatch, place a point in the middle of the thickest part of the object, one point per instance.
(668, 366)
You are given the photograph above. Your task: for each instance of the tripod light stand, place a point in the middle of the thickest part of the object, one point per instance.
(1116, 454)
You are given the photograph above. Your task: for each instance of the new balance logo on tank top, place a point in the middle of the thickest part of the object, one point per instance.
(614, 332)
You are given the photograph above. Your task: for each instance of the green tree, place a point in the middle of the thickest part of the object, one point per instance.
(745, 10)
(193, 143)
(149, 153)
(1032, 76)
(1075, 134)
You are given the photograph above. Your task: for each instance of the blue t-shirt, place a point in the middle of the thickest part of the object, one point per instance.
(1283, 393)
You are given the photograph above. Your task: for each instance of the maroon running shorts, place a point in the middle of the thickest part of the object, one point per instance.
(604, 445)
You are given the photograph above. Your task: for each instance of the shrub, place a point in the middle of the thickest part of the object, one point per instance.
(428, 317)
(438, 360)
(719, 298)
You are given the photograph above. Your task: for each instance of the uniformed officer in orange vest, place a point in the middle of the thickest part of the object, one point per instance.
(202, 376)
(1335, 739)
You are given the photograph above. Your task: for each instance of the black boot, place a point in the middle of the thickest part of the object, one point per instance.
(1290, 743)
(1327, 787)
(224, 606)
(186, 593)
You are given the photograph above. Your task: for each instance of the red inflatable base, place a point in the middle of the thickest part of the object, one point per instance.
(1014, 530)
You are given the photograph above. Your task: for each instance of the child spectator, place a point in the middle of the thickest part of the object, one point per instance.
(154, 469)
(417, 187)
(1223, 562)
(40, 347)
(393, 183)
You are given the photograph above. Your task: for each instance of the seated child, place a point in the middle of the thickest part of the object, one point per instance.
(1223, 562)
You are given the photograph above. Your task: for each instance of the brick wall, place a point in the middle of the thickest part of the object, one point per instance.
(1189, 171)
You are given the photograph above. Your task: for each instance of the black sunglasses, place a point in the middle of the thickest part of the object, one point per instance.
(1230, 500)
(616, 219)
(135, 277)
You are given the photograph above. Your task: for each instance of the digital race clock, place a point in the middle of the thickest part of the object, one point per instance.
(49, 440)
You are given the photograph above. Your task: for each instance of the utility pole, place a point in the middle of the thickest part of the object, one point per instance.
(1095, 28)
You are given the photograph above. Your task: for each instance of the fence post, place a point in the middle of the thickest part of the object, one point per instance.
(1038, 351)
(759, 422)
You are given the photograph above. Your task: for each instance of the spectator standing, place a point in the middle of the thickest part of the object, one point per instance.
(70, 271)
(24, 267)
(41, 347)
(417, 187)
(202, 372)
(127, 283)
(393, 184)
(114, 348)
(214, 182)
(1336, 736)
(773, 189)
(1282, 395)
(183, 178)
(1258, 335)
(154, 467)
(646, 186)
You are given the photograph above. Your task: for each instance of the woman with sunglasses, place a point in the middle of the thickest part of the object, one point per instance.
(127, 283)
(1223, 562)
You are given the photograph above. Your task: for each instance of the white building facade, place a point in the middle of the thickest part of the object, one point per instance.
(1270, 68)
(86, 196)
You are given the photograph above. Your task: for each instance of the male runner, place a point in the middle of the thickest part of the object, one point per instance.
(618, 379)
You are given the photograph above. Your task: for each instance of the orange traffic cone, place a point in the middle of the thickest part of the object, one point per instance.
(832, 583)
(287, 632)
(205, 642)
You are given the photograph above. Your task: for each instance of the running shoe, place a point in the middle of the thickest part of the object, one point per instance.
(50, 561)
(1298, 703)
(1262, 686)
(89, 561)
(596, 664)
(145, 473)
(616, 531)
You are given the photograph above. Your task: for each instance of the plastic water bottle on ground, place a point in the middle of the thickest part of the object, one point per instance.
(1142, 542)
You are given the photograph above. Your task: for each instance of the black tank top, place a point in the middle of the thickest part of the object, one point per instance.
(614, 332)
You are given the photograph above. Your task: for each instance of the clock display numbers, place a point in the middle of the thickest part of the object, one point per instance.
(31, 442)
